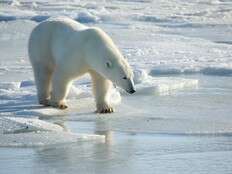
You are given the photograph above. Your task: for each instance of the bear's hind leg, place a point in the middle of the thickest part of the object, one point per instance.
(43, 83)
(101, 87)
(60, 89)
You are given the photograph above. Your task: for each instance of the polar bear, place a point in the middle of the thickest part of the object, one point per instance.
(61, 50)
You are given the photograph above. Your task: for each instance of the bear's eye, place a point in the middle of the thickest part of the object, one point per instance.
(108, 64)
(125, 78)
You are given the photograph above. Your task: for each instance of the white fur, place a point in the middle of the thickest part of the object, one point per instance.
(62, 50)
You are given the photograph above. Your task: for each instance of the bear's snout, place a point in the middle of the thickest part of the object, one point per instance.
(131, 88)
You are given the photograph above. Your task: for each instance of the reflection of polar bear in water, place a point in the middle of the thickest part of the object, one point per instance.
(62, 49)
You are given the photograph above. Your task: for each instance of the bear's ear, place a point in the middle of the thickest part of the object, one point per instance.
(109, 64)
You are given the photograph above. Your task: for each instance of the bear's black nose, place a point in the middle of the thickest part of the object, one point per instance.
(131, 91)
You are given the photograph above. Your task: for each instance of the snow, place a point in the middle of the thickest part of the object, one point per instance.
(179, 119)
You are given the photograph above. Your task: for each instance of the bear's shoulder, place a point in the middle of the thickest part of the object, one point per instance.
(98, 34)
(95, 31)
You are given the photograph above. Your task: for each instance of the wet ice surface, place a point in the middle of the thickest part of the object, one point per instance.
(179, 121)
(125, 153)
(188, 131)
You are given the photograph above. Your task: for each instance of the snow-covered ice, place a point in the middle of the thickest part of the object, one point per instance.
(178, 121)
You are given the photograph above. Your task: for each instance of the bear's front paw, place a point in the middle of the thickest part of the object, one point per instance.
(104, 109)
(59, 105)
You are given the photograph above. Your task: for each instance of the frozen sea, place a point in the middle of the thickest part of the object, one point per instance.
(178, 121)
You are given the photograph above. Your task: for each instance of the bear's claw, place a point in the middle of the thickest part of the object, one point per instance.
(62, 106)
(44, 102)
(106, 110)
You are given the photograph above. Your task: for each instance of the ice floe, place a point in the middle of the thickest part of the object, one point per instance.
(19, 131)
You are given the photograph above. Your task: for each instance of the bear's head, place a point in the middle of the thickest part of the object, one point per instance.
(104, 57)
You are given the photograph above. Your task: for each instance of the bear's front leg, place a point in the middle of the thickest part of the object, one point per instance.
(101, 87)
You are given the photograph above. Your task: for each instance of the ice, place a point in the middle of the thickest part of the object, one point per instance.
(81, 89)
(217, 71)
(140, 75)
(39, 18)
(7, 18)
(9, 85)
(179, 119)
(74, 92)
(24, 132)
(17, 125)
(86, 17)
(211, 70)
(115, 97)
(35, 139)
(163, 86)
(150, 85)
(26, 83)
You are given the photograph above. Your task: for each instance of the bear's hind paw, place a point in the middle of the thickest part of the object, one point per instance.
(59, 105)
(44, 102)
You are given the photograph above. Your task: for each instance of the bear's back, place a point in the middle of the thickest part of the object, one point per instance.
(52, 34)
(53, 24)
(66, 22)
